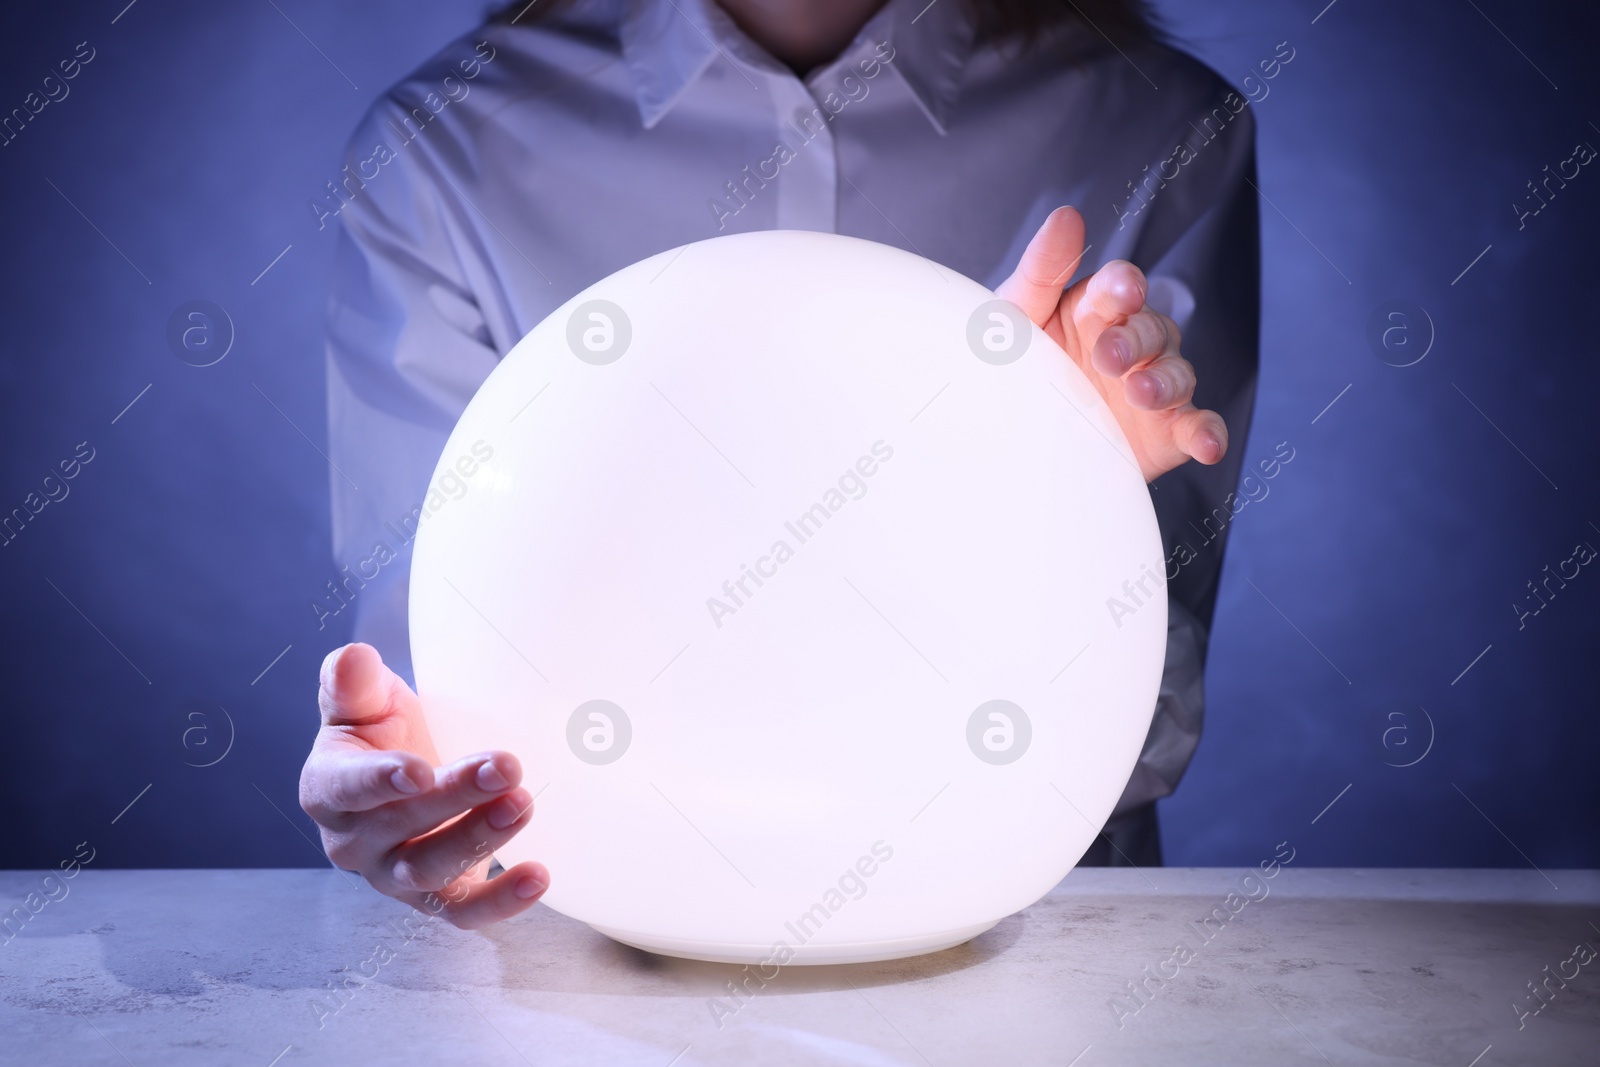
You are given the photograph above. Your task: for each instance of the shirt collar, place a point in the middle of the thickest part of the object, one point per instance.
(668, 44)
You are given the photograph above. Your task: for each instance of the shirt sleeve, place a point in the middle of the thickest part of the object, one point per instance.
(407, 347)
(1200, 250)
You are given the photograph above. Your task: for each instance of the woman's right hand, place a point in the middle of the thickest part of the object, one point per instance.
(388, 811)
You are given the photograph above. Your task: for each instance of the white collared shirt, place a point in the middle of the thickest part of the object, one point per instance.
(525, 163)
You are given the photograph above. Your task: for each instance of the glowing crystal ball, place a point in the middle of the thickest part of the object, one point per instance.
(787, 576)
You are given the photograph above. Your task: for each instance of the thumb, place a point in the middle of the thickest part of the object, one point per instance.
(1046, 265)
(357, 686)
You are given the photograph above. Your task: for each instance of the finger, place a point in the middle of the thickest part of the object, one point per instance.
(1201, 434)
(358, 841)
(1046, 265)
(460, 787)
(431, 862)
(1109, 297)
(1158, 378)
(342, 779)
(1144, 336)
(1161, 385)
(358, 687)
(475, 904)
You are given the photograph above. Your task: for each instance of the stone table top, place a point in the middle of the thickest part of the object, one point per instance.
(1331, 966)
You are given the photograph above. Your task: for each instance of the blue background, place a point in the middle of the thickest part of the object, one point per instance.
(142, 611)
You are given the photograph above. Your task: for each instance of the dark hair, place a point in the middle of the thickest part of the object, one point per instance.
(1026, 21)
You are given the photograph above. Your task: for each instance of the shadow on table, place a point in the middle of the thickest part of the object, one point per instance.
(567, 956)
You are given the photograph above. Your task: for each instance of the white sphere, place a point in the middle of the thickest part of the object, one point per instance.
(786, 565)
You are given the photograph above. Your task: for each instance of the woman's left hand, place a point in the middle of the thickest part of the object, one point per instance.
(1128, 351)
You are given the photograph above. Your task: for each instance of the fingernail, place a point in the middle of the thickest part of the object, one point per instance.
(403, 781)
(1123, 353)
(1209, 441)
(528, 887)
(1157, 389)
(490, 778)
(509, 808)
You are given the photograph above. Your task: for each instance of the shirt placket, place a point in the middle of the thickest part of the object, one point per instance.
(805, 156)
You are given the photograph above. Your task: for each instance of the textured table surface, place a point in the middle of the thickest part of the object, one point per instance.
(1331, 966)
